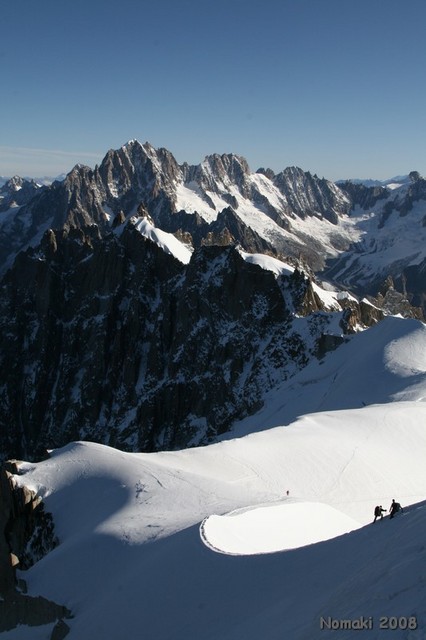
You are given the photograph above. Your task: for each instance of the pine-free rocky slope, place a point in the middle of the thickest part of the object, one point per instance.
(149, 305)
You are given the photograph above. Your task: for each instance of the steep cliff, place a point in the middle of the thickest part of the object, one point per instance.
(26, 536)
(118, 341)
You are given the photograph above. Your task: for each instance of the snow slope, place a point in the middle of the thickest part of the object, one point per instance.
(279, 268)
(386, 363)
(140, 532)
(167, 241)
(190, 197)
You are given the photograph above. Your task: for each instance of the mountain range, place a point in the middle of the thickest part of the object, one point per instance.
(149, 305)
(209, 378)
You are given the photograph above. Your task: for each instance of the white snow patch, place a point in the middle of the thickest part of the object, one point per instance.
(189, 198)
(268, 263)
(167, 241)
(272, 528)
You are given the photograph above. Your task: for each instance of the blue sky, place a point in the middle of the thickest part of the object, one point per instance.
(336, 87)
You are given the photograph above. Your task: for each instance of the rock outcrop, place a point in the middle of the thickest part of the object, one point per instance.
(26, 535)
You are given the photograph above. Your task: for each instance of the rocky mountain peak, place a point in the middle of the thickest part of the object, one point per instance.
(308, 195)
(363, 195)
(14, 184)
(218, 173)
(414, 176)
(139, 172)
(123, 344)
(227, 164)
(16, 192)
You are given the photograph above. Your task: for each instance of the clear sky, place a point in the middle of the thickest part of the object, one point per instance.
(336, 87)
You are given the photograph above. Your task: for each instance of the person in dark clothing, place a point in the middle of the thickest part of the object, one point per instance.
(378, 513)
(394, 508)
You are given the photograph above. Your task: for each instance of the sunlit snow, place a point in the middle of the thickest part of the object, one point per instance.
(329, 297)
(167, 241)
(206, 543)
(269, 263)
(290, 524)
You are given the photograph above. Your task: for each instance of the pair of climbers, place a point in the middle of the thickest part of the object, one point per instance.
(393, 509)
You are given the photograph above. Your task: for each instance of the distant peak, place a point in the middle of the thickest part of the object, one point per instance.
(16, 180)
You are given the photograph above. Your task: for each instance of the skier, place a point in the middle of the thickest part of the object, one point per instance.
(378, 513)
(394, 508)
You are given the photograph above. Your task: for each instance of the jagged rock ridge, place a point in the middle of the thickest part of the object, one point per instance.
(139, 174)
(117, 341)
(108, 335)
(292, 213)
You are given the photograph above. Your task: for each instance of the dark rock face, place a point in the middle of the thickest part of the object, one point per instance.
(7, 562)
(88, 303)
(233, 231)
(230, 331)
(416, 191)
(308, 195)
(104, 335)
(412, 281)
(28, 531)
(26, 535)
(115, 340)
(363, 196)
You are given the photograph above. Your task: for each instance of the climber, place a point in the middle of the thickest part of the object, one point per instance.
(394, 508)
(378, 513)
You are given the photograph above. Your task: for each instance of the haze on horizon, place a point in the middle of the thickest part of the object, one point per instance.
(332, 88)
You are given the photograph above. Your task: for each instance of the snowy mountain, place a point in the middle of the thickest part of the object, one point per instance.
(211, 536)
(185, 199)
(148, 308)
(17, 191)
(150, 305)
(390, 228)
(290, 214)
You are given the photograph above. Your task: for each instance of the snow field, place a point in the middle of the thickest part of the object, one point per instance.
(131, 562)
(129, 523)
